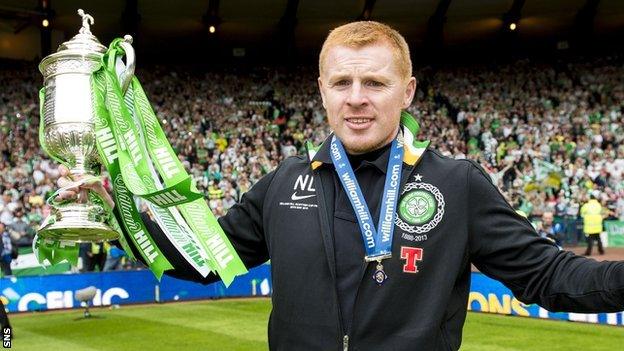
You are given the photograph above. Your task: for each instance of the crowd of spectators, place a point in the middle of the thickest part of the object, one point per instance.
(549, 134)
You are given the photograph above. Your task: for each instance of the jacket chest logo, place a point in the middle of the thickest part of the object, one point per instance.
(303, 195)
(303, 188)
(421, 207)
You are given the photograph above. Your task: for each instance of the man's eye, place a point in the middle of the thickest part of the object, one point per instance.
(374, 83)
(342, 82)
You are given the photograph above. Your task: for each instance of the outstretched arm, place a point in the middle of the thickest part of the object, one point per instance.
(504, 246)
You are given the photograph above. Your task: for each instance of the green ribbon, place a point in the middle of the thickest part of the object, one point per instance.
(133, 120)
(134, 161)
(54, 251)
(125, 208)
(169, 218)
(197, 213)
(114, 148)
(134, 164)
(410, 130)
(114, 223)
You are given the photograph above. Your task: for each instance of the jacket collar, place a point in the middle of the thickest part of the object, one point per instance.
(414, 149)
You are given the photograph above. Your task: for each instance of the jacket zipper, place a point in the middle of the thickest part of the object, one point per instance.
(321, 198)
(345, 341)
(345, 338)
(357, 294)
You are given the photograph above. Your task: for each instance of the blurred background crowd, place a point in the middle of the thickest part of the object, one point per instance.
(550, 134)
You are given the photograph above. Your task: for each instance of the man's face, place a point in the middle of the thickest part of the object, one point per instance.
(363, 94)
(547, 218)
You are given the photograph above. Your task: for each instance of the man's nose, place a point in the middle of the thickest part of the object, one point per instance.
(357, 96)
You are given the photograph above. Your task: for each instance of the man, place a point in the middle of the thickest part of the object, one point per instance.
(93, 255)
(549, 230)
(114, 258)
(6, 251)
(22, 232)
(447, 215)
(592, 214)
(7, 207)
(4, 317)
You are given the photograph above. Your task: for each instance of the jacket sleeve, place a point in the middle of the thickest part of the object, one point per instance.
(504, 246)
(242, 225)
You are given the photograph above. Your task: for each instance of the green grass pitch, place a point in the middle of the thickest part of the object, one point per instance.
(241, 324)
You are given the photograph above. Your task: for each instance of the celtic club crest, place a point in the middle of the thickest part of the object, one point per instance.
(421, 208)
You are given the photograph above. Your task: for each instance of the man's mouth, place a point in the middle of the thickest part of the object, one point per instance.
(359, 122)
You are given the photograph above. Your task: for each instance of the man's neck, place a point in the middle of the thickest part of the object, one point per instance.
(356, 160)
(381, 145)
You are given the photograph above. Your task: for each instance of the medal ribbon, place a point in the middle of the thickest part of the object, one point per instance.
(377, 241)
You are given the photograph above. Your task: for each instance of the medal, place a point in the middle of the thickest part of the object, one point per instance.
(380, 275)
(377, 239)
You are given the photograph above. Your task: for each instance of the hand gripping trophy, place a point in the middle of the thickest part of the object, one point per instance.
(67, 132)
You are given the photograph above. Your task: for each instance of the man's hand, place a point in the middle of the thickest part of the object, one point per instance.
(73, 193)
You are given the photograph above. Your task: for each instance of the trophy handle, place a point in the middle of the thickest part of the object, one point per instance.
(125, 73)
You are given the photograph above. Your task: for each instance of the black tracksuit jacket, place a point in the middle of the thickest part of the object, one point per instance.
(291, 222)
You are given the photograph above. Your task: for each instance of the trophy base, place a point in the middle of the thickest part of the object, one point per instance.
(86, 232)
(78, 223)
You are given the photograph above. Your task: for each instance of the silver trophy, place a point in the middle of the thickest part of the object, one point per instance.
(68, 129)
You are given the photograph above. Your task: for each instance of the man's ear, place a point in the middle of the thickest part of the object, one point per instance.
(320, 85)
(410, 90)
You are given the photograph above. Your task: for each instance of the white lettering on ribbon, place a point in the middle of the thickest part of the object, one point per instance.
(107, 142)
(335, 152)
(219, 250)
(178, 234)
(351, 189)
(125, 203)
(133, 147)
(215, 243)
(125, 208)
(390, 200)
(145, 245)
(167, 163)
(168, 198)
